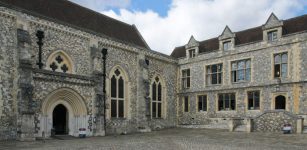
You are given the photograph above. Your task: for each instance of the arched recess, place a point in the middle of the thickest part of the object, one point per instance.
(76, 109)
(119, 76)
(280, 102)
(157, 81)
(60, 61)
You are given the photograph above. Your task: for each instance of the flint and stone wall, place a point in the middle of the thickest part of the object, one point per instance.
(261, 55)
(84, 49)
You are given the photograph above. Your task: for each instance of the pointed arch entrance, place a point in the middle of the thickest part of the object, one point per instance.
(60, 119)
(63, 111)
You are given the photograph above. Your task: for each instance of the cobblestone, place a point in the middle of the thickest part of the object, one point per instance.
(173, 139)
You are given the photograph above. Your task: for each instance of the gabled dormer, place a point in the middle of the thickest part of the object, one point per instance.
(272, 29)
(227, 40)
(192, 48)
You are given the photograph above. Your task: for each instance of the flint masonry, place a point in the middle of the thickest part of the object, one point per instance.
(65, 67)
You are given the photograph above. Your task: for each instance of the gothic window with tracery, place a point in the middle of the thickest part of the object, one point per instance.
(117, 94)
(156, 99)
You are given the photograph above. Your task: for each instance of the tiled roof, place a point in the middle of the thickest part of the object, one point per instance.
(70, 13)
(290, 26)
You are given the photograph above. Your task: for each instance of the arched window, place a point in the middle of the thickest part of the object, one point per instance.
(117, 94)
(59, 62)
(156, 98)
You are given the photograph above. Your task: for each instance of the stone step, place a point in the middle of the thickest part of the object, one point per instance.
(240, 128)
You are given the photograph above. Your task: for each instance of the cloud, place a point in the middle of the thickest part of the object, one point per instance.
(204, 19)
(100, 5)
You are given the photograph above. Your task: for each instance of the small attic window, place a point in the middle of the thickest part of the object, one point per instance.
(226, 45)
(272, 35)
(192, 53)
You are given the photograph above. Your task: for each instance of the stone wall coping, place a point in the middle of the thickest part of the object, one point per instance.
(278, 111)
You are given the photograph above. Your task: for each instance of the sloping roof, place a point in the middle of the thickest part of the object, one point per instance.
(290, 26)
(70, 13)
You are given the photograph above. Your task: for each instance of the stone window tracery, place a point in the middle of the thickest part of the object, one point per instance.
(226, 101)
(253, 98)
(241, 70)
(214, 74)
(59, 62)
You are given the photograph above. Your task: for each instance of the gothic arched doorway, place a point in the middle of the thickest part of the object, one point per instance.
(64, 111)
(280, 102)
(60, 119)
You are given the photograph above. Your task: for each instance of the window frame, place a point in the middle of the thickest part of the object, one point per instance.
(259, 99)
(229, 104)
(185, 80)
(272, 35)
(232, 71)
(206, 102)
(184, 105)
(228, 43)
(117, 98)
(192, 53)
(280, 65)
(210, 74)
(157, 101)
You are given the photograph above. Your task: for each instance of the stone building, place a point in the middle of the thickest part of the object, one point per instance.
(56, 76)
(257, 73)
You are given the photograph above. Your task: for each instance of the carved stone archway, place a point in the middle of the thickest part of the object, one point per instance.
(76, 110)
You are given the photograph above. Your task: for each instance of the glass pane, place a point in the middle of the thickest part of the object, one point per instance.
(188, 72)
(159, 110)
(214, 68)
(214, 79)
(200, 103)
(284, 70)
(208, 79)
(186, 104)
(113, 108)
(208, 70)
(184, 73)
(188, 82)
(248, 64)
(241, 64)
(154, 109)
(121, 88)
(227, 104)
(257, 100)
(233, 105)
(234, 66)
(120, 108)
(277, 70)
(205, 103)
(113, 86)
(220, 67)
(277, 59)
(234, 76)
(154, 94)
(240, 75)
(248, 74)
(284, 58)
(219, 78)
(159, 92)
(221, 102)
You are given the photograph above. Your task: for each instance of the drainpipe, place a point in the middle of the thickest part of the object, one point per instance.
(104, 57)
(40, 35)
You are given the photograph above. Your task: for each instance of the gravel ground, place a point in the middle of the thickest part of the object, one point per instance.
(172, 139)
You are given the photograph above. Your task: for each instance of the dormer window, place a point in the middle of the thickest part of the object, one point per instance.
(272, 35)
(226, 45)
(192, 53)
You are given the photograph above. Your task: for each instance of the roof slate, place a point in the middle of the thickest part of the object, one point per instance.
(292, 25)
(76, 15)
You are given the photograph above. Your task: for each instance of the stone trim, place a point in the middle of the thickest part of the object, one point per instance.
(46, 75)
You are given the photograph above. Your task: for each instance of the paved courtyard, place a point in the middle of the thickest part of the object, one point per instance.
(173, 139)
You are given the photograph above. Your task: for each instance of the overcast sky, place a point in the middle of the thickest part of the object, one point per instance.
(166, 24)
